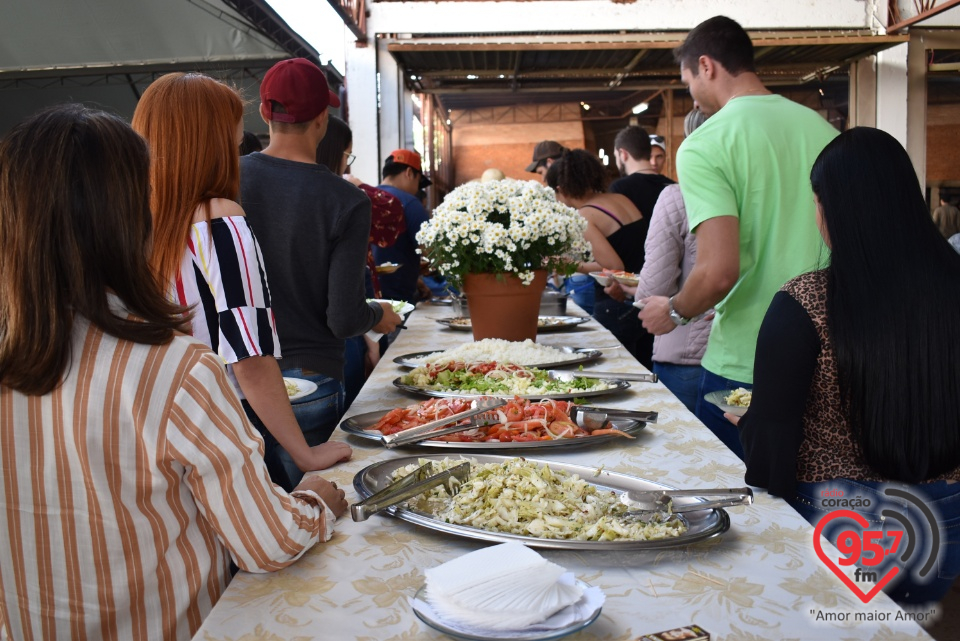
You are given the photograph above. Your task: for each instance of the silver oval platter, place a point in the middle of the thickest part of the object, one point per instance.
(701, 524)
(584, 355)
(545, 324)
(358, 426)
(617, 385)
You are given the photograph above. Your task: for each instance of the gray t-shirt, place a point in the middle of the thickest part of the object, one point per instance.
(314, 229)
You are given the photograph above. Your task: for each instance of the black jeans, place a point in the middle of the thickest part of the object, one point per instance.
(621, 319)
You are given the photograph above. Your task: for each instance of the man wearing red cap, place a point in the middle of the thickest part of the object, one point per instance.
(403, 177)
(313, 229)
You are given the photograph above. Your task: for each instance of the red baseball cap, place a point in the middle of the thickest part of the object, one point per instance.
(300, 86)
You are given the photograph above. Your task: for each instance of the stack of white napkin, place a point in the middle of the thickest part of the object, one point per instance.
(504, 587)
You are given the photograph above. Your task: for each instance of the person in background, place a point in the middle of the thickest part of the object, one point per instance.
(250, 143)
(209, 258)
(387, 222)
(947, 219)
(851, 400)
(314, 228)
(491, 174)
(641, 181)
(744, 177)
(545, 153)
(671, 251)
(614, 227)
(658, 153)
(403, 178)
(128, 469)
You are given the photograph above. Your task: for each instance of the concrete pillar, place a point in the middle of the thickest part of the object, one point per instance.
(892, 92)
(863, 93)
(391, 101)
(361, 74)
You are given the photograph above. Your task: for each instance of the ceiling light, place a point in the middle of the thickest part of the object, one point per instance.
(585, 106)
(502, 76)
(470, 76)
(606, 161)
(601, 152)
(639, 109)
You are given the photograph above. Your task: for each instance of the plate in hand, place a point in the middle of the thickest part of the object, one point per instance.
(719, 398)
(297, 388)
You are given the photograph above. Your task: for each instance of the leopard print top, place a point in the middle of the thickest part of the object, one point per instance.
(828, 450)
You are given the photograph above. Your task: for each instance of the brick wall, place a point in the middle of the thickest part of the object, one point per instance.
(507, 147)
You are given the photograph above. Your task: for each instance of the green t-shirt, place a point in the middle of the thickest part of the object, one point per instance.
(752, 160)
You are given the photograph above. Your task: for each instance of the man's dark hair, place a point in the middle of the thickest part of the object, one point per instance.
(720, 38)
(391, 168)
(635, 140)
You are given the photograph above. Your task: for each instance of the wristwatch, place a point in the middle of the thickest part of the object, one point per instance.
(679, 320)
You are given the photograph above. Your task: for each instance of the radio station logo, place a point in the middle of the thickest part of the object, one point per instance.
(879, 556)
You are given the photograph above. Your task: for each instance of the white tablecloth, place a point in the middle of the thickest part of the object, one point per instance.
(760, 580)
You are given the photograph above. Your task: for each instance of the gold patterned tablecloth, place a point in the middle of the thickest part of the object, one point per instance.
(760, 580)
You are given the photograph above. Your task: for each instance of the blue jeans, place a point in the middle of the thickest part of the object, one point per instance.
(941, 497)
(580, 288)
(271, 450)
(712, 416)
(318, 414)
(682, 380)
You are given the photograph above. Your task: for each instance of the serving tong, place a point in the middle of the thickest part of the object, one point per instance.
(480, 411)
(594, 418)
(417, 482)
(645, 504)
(567, 376)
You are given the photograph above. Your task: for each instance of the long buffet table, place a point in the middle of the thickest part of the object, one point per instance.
(759, 580)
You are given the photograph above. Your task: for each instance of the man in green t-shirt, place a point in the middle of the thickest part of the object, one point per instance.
(745, 179)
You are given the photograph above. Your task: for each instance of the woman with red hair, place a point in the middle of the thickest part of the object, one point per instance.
(209, 258)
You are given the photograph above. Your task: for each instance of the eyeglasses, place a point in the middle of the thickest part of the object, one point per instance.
(656, 138)
(350, 158)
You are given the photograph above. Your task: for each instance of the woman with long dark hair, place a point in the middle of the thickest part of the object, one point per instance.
(856, 378)
(129, 474)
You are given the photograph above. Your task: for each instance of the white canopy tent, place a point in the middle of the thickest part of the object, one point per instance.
(105, 52)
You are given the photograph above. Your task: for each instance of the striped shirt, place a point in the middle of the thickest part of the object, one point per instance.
(222, 273)
(125, 492)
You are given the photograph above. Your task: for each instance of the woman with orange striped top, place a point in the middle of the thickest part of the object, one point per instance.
(124, 453)
(205, 250)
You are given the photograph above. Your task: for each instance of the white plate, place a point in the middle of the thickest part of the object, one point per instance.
(304, 387)
(601, 278)
(718, 399)
(631, 280)
(584, 355)
(404, 310)
(388, 268)
(433, 620)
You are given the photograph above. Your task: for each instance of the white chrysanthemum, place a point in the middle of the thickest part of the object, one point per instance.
(498, 227)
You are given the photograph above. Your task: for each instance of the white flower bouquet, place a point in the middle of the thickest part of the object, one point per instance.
(503, 227)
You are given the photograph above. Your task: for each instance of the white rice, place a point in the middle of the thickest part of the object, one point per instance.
(501, 351)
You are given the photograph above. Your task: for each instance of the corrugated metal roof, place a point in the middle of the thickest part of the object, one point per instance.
(468, 71)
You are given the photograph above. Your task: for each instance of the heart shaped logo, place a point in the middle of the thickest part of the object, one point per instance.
(849, 514)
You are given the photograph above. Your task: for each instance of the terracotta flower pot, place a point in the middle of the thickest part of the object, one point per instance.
(501, 306)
